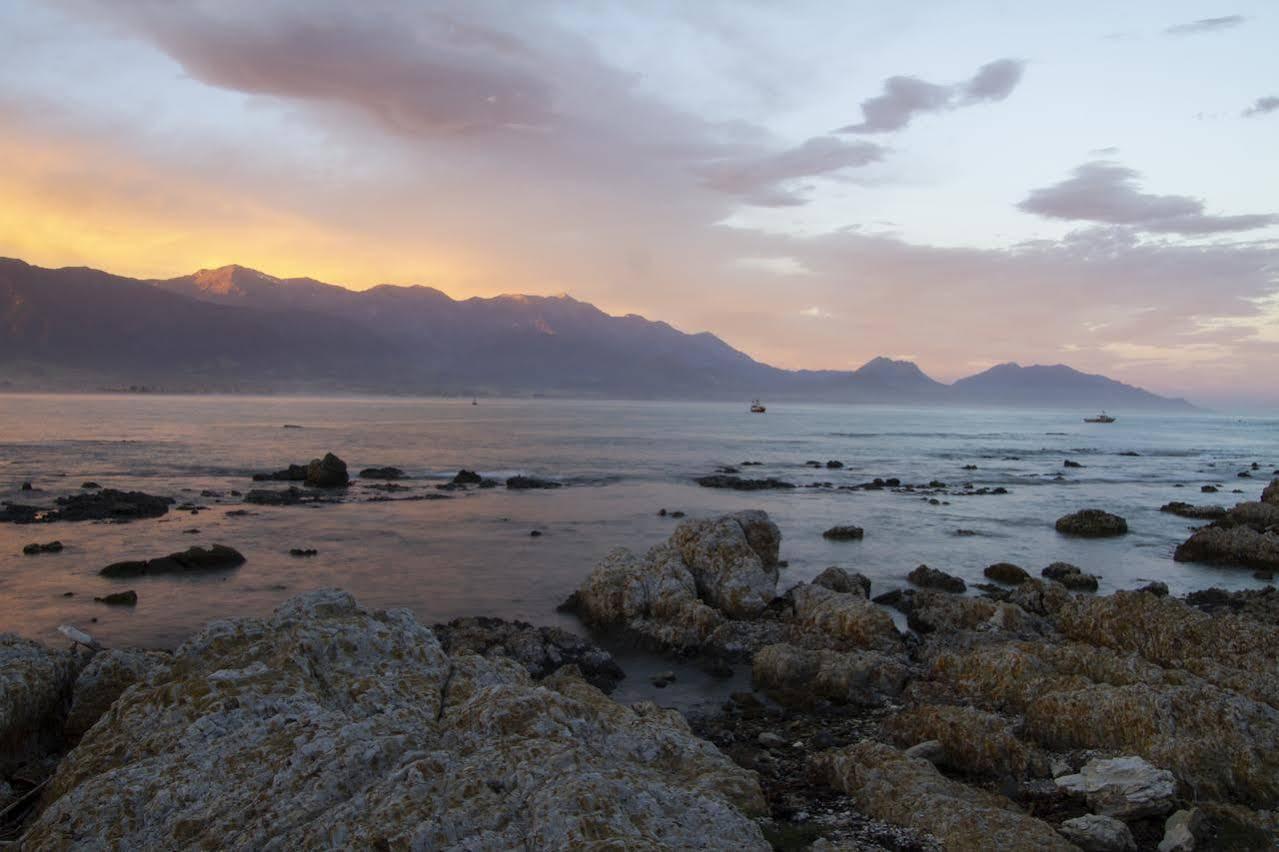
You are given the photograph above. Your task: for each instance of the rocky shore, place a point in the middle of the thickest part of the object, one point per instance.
(1034, 715)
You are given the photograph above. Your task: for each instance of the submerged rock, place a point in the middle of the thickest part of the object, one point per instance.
(1186, 510)
(329, 725)
(844, 533)
(35, 548)
(192, 560)
(525, 483)
(737, 483)
(381, 473)
(1092, 523)
(129, 598)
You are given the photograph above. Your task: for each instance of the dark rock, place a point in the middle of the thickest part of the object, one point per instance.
(26, 486)
(970, 467)
(736, 483)
(388, 487)
(838, 580)
(264, 497)
(1130, 453)
(292, 473)
(1069, 463)
(1155, 587)
(303, 551)
(892, 482)
(191, 560)
(90, 486)
(525, 483)
(535, 533)
(963, 532)
(381, 473)
(844, 533)
(129, 598)
(36, 548)
(541, 650)
(328, 472)
(1006, 572)
(834, 465)
(931, 578)
(1186, 510)
(290, 426)
(812, 463)
(467, 477)
(1208, 489)
(1057, 570)
(1092, 523)
(1243, 474)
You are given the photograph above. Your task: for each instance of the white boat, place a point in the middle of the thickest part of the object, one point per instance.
(1100, 418)
(756, 407)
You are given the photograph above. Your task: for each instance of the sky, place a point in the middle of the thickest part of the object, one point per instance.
(958, 183)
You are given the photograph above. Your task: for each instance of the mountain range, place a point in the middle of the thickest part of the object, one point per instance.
(236, 329)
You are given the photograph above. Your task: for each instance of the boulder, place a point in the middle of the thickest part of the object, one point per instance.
(1071, 577)
(845, 620)
(36, 548)
(1097, 833)
(1123, 787)
(467, 477)
(838, 580)
(1231, 545)
(328, 725)
(1181, 830)
(1091, 523)
(219, 557)
(931, 578)
(886, 784)
(102, 681)
(1271, 492)
(328, 472)
(733, 560)
(1006, 572)
(972, 741)
(35, 688)
(844, 533)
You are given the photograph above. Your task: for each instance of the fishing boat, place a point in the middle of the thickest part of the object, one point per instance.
(1100, 418)
(475, 400)
(756, 407)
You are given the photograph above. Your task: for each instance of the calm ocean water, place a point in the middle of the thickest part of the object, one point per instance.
(620, 461)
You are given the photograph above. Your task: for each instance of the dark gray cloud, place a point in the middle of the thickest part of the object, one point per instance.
(1261, 106)
(1106, 192)
(906, 97)
(1206, 25)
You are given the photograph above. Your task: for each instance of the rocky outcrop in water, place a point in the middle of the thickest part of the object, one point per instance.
(527, 483)
(329, 725)
(1187, 510)
(382, 473)
(193, 560)
(1091, 523)
(108, 504)
(737, 483)
(933, 578)
(327, 472)
(1247, 535)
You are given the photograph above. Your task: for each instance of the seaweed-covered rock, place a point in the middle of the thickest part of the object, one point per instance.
(1006, 572)
(845, 619)
(972, 741)
(844, 532)
(329, 725)
(886, 784)
(1187, 510)
(838, 580)
(1091, 523)
(804, 676)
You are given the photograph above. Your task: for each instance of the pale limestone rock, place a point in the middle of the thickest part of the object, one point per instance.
(330, 726)
(1179, 831)
(1123, 787)
(733, 559)
(886, 784)
(1097, 833)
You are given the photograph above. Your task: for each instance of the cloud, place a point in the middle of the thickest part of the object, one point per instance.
(1206, 25)
(993, 82)
(816, 312)
(1106, 192)
(1261, 106)
(763, 179)
(783, 265)
(906, 97)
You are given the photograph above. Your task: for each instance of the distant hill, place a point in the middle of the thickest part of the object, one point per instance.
(236, 329)
(1055, 385)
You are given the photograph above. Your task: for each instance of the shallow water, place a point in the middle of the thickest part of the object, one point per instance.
(620, 461)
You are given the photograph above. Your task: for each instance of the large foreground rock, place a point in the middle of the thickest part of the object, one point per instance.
(330, 726)
(1123, 787)
(35, 690)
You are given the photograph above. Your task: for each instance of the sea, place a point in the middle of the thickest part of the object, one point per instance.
(619, 462)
